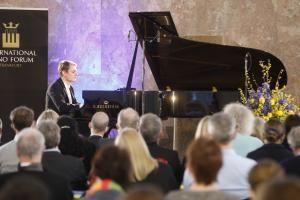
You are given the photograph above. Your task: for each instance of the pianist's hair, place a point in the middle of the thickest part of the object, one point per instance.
(64, 65)
(142, 162)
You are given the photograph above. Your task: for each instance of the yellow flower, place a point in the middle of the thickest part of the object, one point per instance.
(262, 100)
(272, 102)
(252, 101)
(291, 112)
(279, 113)
(269, 115)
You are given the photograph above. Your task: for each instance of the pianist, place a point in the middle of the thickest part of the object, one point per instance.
(60, 94)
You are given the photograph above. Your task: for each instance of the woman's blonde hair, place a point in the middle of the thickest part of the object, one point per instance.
(142, 161)
(47, 115)
(201, 130)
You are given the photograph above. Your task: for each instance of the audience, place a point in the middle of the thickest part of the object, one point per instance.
(128, 117)
(110, 175)
(24, 187)
(1, 128)
(151, 127)
(284, 188)
(47, 115)
(290, 122)
(272, 149)
(146, 170)
(143, 193)
(46, 163)
(201, 130)
(232, 177)
(243, 142)
(30, 145)
(98, 126)
(72, 143)
(204, 160)
(69, 167)
(258, 128)
(265, 171)
(21, 117)
(292, 165)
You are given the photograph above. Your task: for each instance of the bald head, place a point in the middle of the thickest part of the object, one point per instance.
(99, 122)
(128, 117)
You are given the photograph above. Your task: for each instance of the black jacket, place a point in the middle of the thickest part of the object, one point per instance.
(57, 98)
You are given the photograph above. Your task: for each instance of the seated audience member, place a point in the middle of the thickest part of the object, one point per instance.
(24, 188)
(272, 149)
(128, 117)
(21, 117)
(1, 127)
(98, 126)
(201, 130)
(243, 142)
(30, 145)
(69, 167)
(204, 160)
(143, 193)
(292, 165)
(150, 128)
(71, 143)
(290, 122)
(146, 170)
(263, 172)
(110, 174)
(232, 177)
(284, 188)
(47, 115)
(258, 128)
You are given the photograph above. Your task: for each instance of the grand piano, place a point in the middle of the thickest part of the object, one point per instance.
(194, 78)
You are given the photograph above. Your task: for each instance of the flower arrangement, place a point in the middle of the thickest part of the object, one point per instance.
(266, 102)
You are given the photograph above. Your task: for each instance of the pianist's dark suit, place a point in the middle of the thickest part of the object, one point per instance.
(57, 98)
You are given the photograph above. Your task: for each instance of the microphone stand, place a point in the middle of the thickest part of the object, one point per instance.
(247, 56)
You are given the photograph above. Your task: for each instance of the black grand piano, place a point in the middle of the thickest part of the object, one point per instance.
(194, 78)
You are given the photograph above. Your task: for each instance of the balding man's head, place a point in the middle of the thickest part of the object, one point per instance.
(128, 117)
(30, 144)
(99, 122)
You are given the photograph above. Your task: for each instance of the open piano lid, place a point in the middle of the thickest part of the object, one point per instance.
(181, 64)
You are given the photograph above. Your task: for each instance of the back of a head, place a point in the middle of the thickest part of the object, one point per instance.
(141, 160)
(291, 121)
(274, 131)
(204, 158)
(221, 127)
(258, 128)
(143, 193)
(30, 143)
(294, 138)
(264, 171)
(287, 188)
(202, 130)
(111, 162)
(47, 115)
(22, 117)
(243, 116)
(150, 127)
(128, 117)
(100, 121)
(24, 187)
(1, 124)
(51, 132)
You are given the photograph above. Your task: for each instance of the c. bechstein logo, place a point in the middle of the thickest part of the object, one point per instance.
(10, 38)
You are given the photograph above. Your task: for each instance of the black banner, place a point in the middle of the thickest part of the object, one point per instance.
(23, 60)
